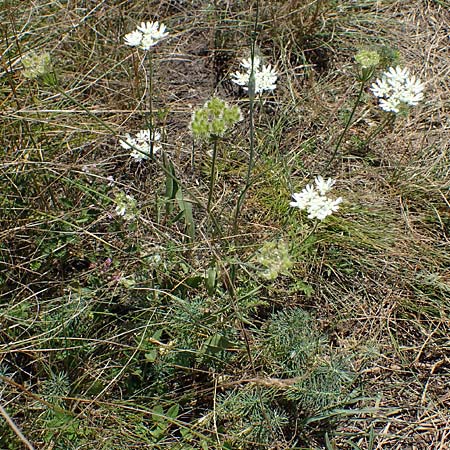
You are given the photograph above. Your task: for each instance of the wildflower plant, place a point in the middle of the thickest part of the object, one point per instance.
(265, 77)
(147, 35)
(143, 146)
(313, 199)
(36, 65)
(397, 90)
(211, 122)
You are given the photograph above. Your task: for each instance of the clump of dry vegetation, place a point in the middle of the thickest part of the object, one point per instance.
(174, 298)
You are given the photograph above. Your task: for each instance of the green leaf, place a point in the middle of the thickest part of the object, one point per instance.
(211, 280)
(151, 355)
(158, 414)
(171, 185)
(172, 412)
(216, 343)
(186, 208)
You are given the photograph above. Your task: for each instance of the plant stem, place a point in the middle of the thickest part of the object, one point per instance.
(251, 96)
(386, 121)
(347, 125)
(149, 116)
(212, 177)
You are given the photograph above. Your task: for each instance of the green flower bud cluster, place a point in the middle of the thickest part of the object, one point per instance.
(367, 59)
(275, 258)
(36, 65)
(214, 119)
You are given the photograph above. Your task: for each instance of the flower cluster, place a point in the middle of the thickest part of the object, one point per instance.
(214, 119)
(315, 201)
(265, 75)
(367, 59)
(143, 145)
(275, 258)
(126, 206)
(396, 89)
(36, 65)
(146, 35)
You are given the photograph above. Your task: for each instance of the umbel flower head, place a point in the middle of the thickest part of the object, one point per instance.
(265, 75)
(141, 144)
(367, 58)
(146, 35)
(126, 206)
(36, 65)
(275, 258)
(397, 90)
(214, 119)
(314, 200)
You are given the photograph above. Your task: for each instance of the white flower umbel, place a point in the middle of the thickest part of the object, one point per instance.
(141, 144)
(146, 35)
(322, 207)
(265, 76)
(133, 39)
(126, 206)
(314, 201)
(397, 89)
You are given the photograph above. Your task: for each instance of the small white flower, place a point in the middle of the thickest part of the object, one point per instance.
(323, 207)
(121, 210)
(397, 74)
(323, 186)
(381, 88)
(126, 206)
(141, 153)
(127, 142)
(246, 63)
(314, 201)
(397, 88)
(146, 35)
(153, 29)
(141, 144)
(390, 104)
(133, 39)
(241, 79)
(265, 76)
(303, 199)
(266, 79)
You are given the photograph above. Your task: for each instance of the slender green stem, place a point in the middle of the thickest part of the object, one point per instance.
(347, 125)
(149, 116)
(383, 124)
(212, 177)
(251, 96)
(240, 202)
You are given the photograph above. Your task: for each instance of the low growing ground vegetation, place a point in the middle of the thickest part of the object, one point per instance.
(225, 225)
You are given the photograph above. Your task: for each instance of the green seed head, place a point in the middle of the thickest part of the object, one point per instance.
(216, 106)
(367, 59)
(214, 119)
(232, 115)
(36, 65)
(275, 259)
